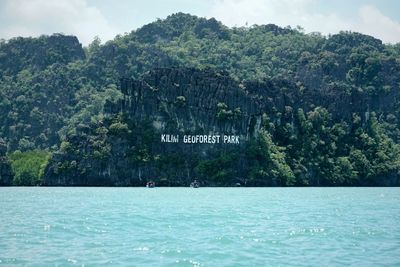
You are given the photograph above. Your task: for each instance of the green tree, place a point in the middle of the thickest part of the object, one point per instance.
(28, 167)
(268, 162)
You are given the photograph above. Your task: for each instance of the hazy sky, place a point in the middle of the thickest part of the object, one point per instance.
(106, 18)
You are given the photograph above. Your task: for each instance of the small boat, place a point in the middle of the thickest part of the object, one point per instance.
(150, 184)
(195, 184)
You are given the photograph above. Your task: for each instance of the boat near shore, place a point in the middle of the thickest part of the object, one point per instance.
(150, 184)
(195, 184)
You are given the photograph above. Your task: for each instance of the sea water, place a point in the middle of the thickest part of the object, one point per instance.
(199, 227)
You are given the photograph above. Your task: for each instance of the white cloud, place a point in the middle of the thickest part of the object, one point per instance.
(369, 19)
(36, 17)
(373, 22)
(77, 17)
(238, 12)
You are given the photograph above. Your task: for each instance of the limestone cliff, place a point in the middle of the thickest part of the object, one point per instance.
(127, 147)
(167, 101)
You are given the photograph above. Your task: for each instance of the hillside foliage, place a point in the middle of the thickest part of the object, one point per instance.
(54, 94)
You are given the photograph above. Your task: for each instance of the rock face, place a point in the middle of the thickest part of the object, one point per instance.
(167, 103)
(142, 137)
(188, 101)
(5, 168)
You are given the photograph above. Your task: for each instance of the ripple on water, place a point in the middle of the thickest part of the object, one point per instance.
(211, 226)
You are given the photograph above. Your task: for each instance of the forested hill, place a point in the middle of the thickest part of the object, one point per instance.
(310, 109)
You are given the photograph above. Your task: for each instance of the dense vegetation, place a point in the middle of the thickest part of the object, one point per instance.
(28, 167)
(331, 105)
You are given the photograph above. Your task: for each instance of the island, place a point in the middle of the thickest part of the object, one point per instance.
(188, 98)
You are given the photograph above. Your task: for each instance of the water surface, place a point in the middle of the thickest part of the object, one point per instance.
(200, 227)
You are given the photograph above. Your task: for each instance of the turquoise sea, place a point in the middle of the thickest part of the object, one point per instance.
(199, 227)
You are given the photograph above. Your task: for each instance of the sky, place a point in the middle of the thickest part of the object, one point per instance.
(107, 18)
